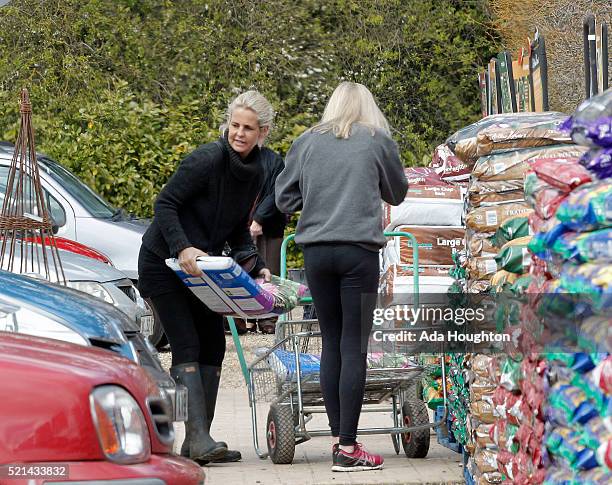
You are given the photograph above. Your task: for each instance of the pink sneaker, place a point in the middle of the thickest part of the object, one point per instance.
(358, 461)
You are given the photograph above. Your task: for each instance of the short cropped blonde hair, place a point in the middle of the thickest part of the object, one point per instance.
(254, 101)
(351, 103)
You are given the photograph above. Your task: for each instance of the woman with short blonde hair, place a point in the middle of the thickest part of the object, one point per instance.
(336, 173)
(205, 204)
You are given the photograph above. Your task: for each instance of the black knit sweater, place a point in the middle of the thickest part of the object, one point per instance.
(207, 203)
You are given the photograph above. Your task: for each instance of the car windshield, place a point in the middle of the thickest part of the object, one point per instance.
(91, 201)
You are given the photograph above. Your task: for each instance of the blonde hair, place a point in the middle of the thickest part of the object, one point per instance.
(254, 101)
(351, 103)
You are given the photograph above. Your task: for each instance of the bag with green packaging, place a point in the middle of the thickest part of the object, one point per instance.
(510, 229)
(514, 256)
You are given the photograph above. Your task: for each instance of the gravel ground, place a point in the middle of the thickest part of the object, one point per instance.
(231, 377)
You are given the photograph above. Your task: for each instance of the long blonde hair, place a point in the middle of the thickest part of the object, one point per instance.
(351, 103)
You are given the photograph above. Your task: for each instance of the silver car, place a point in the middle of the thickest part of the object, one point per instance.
(82, 215)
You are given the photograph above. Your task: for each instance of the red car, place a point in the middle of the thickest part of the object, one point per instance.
(77, 414)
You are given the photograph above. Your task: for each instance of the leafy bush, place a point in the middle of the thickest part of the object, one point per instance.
(122, 90)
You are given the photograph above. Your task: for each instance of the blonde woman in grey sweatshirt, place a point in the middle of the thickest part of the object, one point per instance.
(336, 173)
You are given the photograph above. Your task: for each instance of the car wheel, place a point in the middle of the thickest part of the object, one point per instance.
(158, 337)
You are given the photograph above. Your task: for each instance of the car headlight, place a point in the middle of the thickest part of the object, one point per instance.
(92, 288)
(26, 321)
(121, 426)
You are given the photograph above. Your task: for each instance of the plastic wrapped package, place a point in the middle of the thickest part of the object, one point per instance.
(488, 219)
(478, 286)
(593, 393)
(482, 411)
(437, 244)
(503, 434)
(426, 205)
(593, 247)
(503, 279)
(464, 143)
(536, 223)
(510, 374)
(601, 376)
(283, 364)
(597, 431)
(482, 268)
(563, 173)
(227, 289)
(604, 455)
(505, 136)
(482, 436)
(543, 241)
(483, 366)
(512, 165)
(595, 334)
(514, 256)
(591, 280)
(512, 228)
(486, 461)
(482, 388)
(598, 162)
(493, 193)
(588, 208)
(449, 166)
(480, 245)
(568, 405)
(423, 176)
(591, 123)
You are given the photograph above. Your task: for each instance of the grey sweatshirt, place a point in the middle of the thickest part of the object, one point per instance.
(338, 184)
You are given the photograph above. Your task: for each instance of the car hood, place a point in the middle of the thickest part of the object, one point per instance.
(46, 393)
(87, 315)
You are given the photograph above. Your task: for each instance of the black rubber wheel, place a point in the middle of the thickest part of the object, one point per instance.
(396, 439)
(415, 443)
(158, 337)
(280, 434)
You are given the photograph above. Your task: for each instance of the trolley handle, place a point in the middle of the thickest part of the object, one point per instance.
(415, 260)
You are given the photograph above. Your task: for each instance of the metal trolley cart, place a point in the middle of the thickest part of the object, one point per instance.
(284, 377)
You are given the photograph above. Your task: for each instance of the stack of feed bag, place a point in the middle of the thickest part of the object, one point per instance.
(496, 211)
(432, 212)
(483, 450)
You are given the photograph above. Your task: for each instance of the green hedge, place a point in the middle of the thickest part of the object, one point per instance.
(122, 90)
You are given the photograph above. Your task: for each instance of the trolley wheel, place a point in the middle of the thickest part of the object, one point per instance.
(415, 443)
(396, 438)
(280, 434)
(415, 390)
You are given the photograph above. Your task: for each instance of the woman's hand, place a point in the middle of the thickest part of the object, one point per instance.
(256, 229)
(266, 275)
(187, 260)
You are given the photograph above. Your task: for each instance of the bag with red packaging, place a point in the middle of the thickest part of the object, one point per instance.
(601, 375)
(449, 166)
(546, 201)
(564, 173)
(423, 176)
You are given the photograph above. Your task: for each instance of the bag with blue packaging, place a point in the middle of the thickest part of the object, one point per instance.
(227, 289)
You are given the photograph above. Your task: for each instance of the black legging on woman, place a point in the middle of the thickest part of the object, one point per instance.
(343, 281)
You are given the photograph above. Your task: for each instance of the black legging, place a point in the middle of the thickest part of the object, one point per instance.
(343, 281)
(194, 331)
